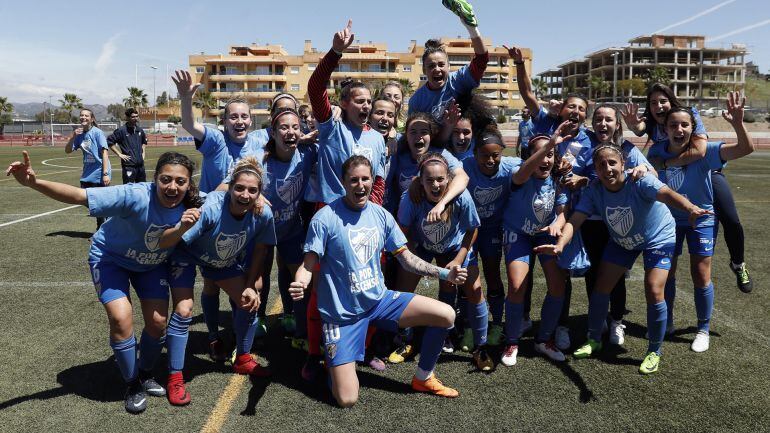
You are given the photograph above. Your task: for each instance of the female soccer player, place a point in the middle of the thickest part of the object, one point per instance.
(534, 216)
(126, 250)
(661, 99)
(638, 224)
(215, 238)
(442, 86)
(346, 238)
(693, 181)
(96, 162)
(394, 91)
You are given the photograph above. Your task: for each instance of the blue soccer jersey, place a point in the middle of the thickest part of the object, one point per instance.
(490, 193)
(526, 130)
(658, 134)
(408, 167)
(692, 181)
(633, 156)
(532, 205)
(253, 146)
(338, 141)
(441, 236)
(217, 239)
(93, 143)
(284, 186)
(467, 153)
(130, 237)
(348, 243)
(435, 102)
(636, 220)
(216, 161)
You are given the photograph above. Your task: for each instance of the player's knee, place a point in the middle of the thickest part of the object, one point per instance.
(184, 309)
(446, 316)
(156, 324)
(346, 399)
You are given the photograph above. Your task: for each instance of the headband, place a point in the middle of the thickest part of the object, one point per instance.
(278, 116)
(240, 171)
(284, 96)
(432, 159)
(608, 146)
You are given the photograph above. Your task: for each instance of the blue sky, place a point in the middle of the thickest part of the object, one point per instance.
(92, 48)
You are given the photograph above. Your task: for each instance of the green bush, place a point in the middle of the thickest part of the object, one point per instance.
(501, 118)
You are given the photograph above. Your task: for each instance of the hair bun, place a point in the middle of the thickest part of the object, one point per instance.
(433, 44)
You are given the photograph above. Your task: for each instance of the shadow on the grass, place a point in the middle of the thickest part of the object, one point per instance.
(71, 234)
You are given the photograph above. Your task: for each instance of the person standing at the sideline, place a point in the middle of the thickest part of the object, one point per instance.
(96, 163)
(128, 142)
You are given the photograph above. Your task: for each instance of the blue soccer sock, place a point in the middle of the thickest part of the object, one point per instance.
(432, 342)
(478, 316)
(210, 307)
(176, 341)
(496, 306)
(514, 314)
(670, 296)
(245, 327)
(656, 326)
(704, 304)
(125, 356)
(598, 306)
(149, 350)
(549, 317)
(447, 298)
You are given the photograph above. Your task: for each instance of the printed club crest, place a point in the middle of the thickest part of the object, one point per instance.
(288, 189)
(621, 219)
(674, 177)
(86, 144)
(364, 242)
(228, 245)
(152, 236)
(542, 204)
(435, 232)
(485, 196)
(364, 151)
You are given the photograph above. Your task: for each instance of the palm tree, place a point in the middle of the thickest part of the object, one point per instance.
(598, 85)
(205, 102)
(407, 85)
(539, 86)
(6, 108)
(136, 98)
(71, 102)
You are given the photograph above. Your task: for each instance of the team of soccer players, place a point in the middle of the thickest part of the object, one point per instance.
(353, 204)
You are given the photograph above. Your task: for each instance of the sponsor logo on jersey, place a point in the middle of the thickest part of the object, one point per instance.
(485, 196)
(674, 177)
(229, 245)
(621, 219)
(542, 204)
(288, 189)
(435, 232)
(364, 151)
(364, 243)
(152, 236)
(86, 144)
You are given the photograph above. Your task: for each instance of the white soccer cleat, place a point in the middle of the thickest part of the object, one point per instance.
(550, 350)
(509, 355)
(561, 338)
(617, 332)
(701, 342)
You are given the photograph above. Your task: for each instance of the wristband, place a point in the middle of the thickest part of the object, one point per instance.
(339, 53)
(443, 274)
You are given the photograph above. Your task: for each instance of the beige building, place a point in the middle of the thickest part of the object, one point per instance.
(259, 72)
(699, 74)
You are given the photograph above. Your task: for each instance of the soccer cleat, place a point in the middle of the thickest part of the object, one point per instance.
(376, 364)
(150, 386)
(561, 338)
(466, 343)
(495, 335)
(288, 323)
(509, 355)
(482, 360)
(177, 392)
(550, 350)
(526, 325)
(617, 332)
(701, 342)
(591, 347)
(135, 399)
(217, 352)
(742, 277)
(462, 9)
(433, 386)
(401, 354)
(247, 364)
(650, 364)
(448, 347)
(261, 328)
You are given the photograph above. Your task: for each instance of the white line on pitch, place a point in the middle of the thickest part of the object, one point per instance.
(39, 215)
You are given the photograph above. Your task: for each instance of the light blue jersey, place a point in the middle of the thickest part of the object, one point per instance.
(93, 143)
(490, 193)
(441, 236)
(435, 102)
(130, 237)
(348, 243)
(526, 131)
(217, 239)
(636, 220)
(658, 134)
(216, 161)
(532, 205)
(338, 141)
(253, 146)
(467, 153)
(576, 150)
(408, 167)
(284, 186)
(633, 156)
(692, 181)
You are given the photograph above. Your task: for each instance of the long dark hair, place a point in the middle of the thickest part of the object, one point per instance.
(192, 198)
(617, 136)
(649, 120)
(270, 145)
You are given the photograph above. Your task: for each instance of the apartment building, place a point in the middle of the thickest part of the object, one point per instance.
(699, 74)
(259, 72)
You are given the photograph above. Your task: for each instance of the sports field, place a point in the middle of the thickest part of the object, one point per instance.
(57, 371)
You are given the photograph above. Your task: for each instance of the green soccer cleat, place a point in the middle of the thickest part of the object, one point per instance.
(495, 335)
(742, 277)
(650, 364)
(466, 343)
(588, 349)
(462, 9)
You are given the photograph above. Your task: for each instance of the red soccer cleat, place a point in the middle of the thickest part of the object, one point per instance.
(247, 364)
(177, 393)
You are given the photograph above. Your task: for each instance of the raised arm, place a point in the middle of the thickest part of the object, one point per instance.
(734, 114)
(186, 90)
(634, 121)
(672, 198)
(25, 175)
(522, 77)
(530, 164)
(316, 85)
(456, 187)
(412, 263)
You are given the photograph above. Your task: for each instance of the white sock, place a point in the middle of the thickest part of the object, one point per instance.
(472, 31)
(421, 374)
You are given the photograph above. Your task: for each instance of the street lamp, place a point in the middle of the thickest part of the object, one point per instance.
(155, 103)
(615, 76)
(50, 118)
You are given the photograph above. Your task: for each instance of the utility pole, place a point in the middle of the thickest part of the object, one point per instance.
(155, 103)
(615, 76)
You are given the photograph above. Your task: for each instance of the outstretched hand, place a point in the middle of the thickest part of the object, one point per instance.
(22, 171)
(551, 230)
(515, 53)
(343, 38)
(696, 213)
(631, 114)
(557, 138)
(736, 104)
(184, 84)
(452, 114)
(549, 250)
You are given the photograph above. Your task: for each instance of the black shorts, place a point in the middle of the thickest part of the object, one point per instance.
(133, 174)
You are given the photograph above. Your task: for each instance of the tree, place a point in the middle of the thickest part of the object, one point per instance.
(59, 116)
(598, 86)
(69, 103)
(162, 100)
(136, 98)
(658, 74)
(205, 102)
(635, 86)
(719, 89)
(407, 85)
(117, 111)
(539, 86)
(6, 108)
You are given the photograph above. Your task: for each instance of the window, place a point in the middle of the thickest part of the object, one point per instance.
(295, 87)
(373, 67)
(262, 70)
(311, 66)
(423, 78)
(231, 70)
(407, 69)
(262, 105)
(294, 70)
(344, 67)
(200, 69)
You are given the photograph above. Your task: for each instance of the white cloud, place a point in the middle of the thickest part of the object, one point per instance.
(108, 52)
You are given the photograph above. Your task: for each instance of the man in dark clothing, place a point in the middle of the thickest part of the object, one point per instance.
(128, 142)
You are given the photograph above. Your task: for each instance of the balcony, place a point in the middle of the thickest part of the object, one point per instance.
(365, 75)
(228, 78)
